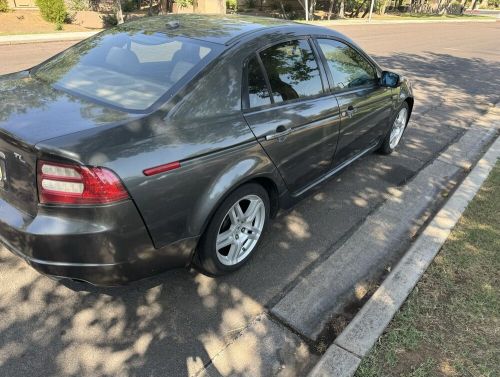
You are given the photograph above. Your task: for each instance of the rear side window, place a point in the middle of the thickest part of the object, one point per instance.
(258, 93)
(292, 70)
(348, 68)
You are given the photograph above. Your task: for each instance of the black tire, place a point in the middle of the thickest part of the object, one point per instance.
(385, 147)
(206, 259)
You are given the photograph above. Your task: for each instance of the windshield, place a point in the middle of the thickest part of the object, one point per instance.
(127, 70)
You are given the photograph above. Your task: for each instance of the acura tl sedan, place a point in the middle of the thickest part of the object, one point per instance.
(171, 141)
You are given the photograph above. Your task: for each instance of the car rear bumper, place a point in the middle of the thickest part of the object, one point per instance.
(107, 245)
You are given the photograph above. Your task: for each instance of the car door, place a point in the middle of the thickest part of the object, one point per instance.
(288, 109)
(365, 106)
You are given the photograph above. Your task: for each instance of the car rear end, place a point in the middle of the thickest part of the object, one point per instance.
(69, 220)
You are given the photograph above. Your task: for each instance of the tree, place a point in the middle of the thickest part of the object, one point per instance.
(341, 13)
(119, 11)
(332, 2)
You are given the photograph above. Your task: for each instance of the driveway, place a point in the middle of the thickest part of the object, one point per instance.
(173, 324)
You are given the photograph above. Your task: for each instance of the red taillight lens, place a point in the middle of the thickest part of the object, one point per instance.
(74, 184)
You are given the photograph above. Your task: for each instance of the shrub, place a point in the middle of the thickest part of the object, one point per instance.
(232, 5)
(53, 10)
(4, 7)
(109, 19)
(184, 3)
(129, 6)
(78, 5)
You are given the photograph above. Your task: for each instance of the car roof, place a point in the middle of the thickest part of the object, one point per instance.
(221, 29)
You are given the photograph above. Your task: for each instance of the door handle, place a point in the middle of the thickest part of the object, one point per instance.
(281, 133)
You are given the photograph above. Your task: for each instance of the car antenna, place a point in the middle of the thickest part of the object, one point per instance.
(173, 24)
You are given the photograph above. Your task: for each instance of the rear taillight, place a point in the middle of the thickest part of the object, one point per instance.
(74, 184)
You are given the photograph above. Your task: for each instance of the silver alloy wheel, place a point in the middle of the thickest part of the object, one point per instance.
(240, 230)
(398, 128)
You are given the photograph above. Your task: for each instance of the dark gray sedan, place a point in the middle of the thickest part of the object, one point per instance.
(171, 141)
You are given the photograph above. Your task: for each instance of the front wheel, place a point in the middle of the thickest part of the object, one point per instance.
(234, 231)
(394, 136)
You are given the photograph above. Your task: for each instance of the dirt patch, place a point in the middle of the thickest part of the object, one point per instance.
(30, 22)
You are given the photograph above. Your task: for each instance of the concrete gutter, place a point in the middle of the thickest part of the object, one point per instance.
(50, 37)
(344, 356)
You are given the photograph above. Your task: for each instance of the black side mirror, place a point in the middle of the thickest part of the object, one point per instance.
(390, 79)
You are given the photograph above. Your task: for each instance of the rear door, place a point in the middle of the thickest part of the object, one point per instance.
(288, 108)
(365, 106)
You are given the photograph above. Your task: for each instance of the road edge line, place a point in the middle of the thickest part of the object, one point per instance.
(363, 331)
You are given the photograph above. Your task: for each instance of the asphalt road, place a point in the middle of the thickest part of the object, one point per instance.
(173, 324)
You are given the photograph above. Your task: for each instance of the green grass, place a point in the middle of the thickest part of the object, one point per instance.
(450, 324)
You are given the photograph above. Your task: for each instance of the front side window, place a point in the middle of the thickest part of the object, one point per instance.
(348, 68)
(258, 94)
(129, 70)
(292, 70)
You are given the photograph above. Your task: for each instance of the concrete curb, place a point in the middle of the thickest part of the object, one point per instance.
(385, 233)
(362, 333)
(50, 37)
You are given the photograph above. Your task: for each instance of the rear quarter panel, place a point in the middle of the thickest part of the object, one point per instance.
(204, 129)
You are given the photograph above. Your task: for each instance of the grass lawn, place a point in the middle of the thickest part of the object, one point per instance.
(450, 324)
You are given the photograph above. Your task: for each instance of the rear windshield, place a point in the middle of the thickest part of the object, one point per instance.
(127, 70)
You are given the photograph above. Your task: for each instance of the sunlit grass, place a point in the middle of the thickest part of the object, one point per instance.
(450, 325)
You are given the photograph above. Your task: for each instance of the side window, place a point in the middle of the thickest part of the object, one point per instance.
(258, 93)
(292, 70)
(348, 68)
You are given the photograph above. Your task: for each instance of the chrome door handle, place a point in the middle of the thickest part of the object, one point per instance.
(280, 135)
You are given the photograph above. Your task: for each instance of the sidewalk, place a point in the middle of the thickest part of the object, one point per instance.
(50, 37)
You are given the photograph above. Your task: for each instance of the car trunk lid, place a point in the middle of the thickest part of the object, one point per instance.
(32, 111)
(18, 173)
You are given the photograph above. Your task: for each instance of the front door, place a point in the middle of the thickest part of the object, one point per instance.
(365, 106)
(293, 117)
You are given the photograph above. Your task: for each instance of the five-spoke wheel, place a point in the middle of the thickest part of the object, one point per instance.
(234, 231)
(394, 136)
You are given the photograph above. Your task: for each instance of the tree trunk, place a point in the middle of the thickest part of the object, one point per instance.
(382, 7)
(367, 9)
(356, 12)
(312, 9)
(119, 12)
(341, 13)
(330, 9)
(283, 10)
(164, 5)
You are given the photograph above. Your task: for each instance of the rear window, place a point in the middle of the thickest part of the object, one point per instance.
(130, 71)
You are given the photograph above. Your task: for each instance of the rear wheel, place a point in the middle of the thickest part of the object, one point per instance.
(234, 231)
(394, 136)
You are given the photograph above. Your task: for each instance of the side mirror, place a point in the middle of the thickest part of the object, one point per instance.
(390, 79)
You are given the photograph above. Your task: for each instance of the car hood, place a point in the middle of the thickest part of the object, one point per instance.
(32, 111)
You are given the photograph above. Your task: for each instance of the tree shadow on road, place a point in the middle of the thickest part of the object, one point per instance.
(175, 323)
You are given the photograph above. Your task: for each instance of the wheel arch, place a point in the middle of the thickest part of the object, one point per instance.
(255, 167)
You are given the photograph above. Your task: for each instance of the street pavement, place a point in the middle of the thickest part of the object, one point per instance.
(175, 323)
